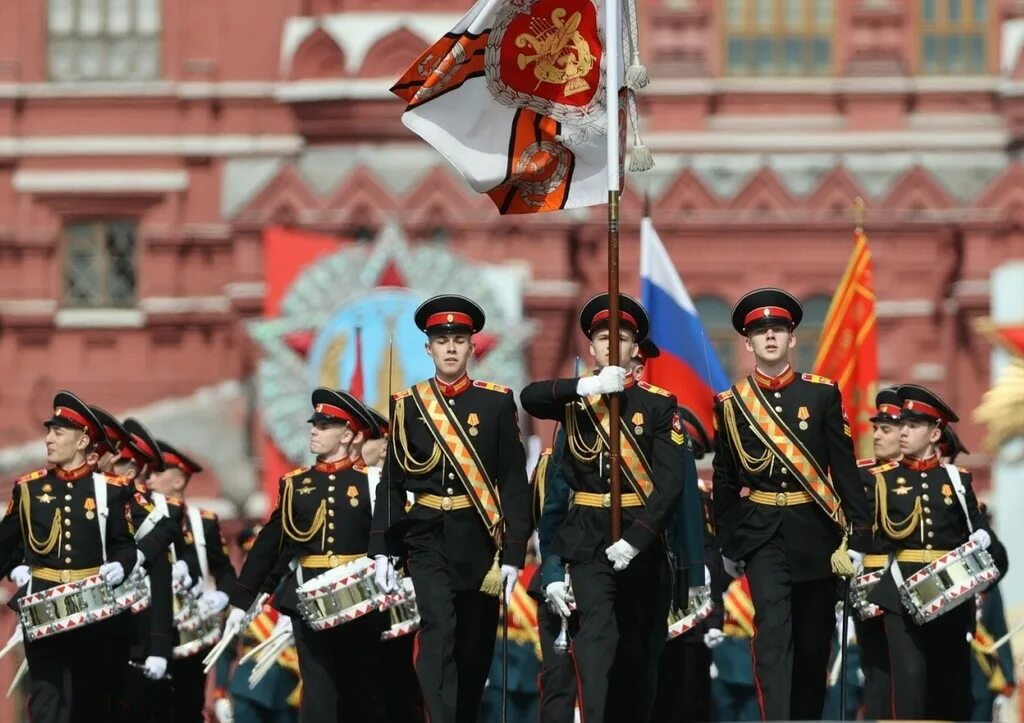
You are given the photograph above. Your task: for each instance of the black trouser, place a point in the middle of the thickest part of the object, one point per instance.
(72, 675)
(147, 701)
(791, 648)
(930, 666)
(401, 701)
(874, 662)
(188, 680)
(338, 668)
(684, 681)
(455, 641)
(621, 613)
(557, 679)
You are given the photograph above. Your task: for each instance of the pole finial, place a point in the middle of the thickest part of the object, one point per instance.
(860, 209)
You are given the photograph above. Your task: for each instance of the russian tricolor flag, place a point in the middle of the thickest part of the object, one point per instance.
(688, 366)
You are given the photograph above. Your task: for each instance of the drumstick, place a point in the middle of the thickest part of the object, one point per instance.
(1005, 639)
(22, 669)
(11, 644)
(268, 660)
(263, 645)
(218, 650)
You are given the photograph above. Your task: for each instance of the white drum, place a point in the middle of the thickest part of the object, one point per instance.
(697, 610)
(404, 614)
(340, 595)
(860, 588)
(948, 582)
(67, 606)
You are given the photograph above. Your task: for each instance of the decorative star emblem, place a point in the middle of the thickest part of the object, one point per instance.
(45, 498)
(306, 490)
(901, 490)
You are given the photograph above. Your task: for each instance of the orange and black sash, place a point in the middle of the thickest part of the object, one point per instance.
(458, 449)
(787, 447)
(634, 463)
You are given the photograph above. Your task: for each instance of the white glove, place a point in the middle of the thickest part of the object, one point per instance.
(557, 596)
(509, 575)
(21, 575)
(733, 568)
(179, 573)
(199, 587)
(620, 554)
(155, 668)
(713, 638)
(223, 710)
(857, 559)
(707, 576)
(234, 621)
(606, 381)
(214, 601)
(385, 575)
(1000, 704)
(140, 559)
(982, 538)
(112, 573)
(714, 671)
(283, 627)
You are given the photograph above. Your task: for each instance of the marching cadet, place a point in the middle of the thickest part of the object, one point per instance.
(785, 437)
(922, 511)
(874, 653)
(456, 446)
(202, 533)
(321, 520)
(55, 515)
(617, 584)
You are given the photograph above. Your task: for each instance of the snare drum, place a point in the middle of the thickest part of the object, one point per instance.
(203, 634)
(404, 614)
(860, 588)
(340, 595)
(948, 582)
(134, 593)
(697, 610)
(67, 606)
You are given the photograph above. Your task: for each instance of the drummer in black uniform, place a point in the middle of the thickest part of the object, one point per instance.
(54, 517)
(617, 584)
(785, 437)
(874, 653)
(321, 520)
(455, 445)
(924, 510)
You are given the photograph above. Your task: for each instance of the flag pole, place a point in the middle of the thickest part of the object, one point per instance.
(613, 55)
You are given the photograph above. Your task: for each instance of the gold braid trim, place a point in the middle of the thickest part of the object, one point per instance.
(407, 462)
(40, 548)
(580, 450)
(753, 465)
(893, 530)
(288, 517)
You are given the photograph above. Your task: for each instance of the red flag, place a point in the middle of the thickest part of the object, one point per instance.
(848, 351)
(355, 384)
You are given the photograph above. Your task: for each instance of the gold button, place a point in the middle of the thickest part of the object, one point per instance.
(778, 395)
(67, 508)
(778, 409)
(67, 534)
(67, 498)
(928, 546)
(446, 503)
(69, 485)
(784, 470)
(331, 477)
(331, 488)
(924, 497)
(606, 499)
(333, 561)
(927, 510)
(924, 485)
(448, 490)
(785, 485)
(451, 402)
(924, 474)
(67, 548)
(330, 512)
(928, 520)
(451, 475)
(330, 539)
(65, 575)
(931, 534)
(780, 499)
(68, 561)
(330, 500)
(330, 525)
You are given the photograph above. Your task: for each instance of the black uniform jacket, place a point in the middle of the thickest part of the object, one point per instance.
(586, 531)
(40, 498)
(217, 557)
(320, 510)
(808, 534)
(941, 523)
(491, 410)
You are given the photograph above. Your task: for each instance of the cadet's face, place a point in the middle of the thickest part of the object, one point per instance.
(600, 342)
(169, 482)
(326, 439)
(450, 353)
(64, 444)
(917, 437)
(373, 451)
(771, 344)
(887, 441)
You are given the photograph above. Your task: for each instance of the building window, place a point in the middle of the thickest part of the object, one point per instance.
(99, 265)
(808, 334)
(954, 36)
(778, 37)
(716, 316)
(103, 39)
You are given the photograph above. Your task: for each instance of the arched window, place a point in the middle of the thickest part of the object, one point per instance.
(808, 334)
(716, 316)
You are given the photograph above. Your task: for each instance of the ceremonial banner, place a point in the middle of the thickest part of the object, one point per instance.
(848, 351)
(514, 98)
(688, 366)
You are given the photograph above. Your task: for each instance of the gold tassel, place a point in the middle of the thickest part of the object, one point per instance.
(492, 580)
(841, 563)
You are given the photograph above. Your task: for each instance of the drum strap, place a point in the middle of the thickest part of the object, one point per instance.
(99, 483)
(160, 511)
(195, 520)
(961, 492)
(372, 480)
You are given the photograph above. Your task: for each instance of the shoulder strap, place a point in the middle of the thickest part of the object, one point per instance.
(958, 487)
(195, 520)
(99, 487)
(372, 480)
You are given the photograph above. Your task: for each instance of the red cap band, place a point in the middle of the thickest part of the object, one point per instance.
(605, 314)
(889, 409)
(912, 405)
(113, 433)
(766, 312)
(66, 413)
(141, 444)
(447, 318)
(332, 411)
(176, 461)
